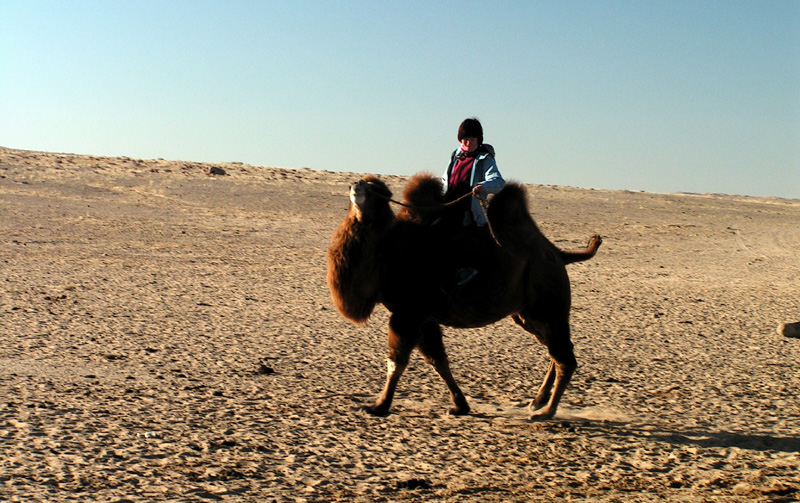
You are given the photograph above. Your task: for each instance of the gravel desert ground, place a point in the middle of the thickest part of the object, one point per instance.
(167, 335)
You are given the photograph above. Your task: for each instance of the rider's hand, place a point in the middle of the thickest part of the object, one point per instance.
(479, 192)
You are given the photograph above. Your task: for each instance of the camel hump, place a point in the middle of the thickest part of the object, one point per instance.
(511, 221)
(516, 230)
(423, 186)
(510, 206)
(424, 196)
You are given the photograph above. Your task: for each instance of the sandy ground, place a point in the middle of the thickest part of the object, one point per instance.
(167, 335)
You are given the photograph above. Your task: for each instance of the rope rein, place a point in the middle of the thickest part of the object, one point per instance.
(420, 208)
(482, 199)
(485, 207)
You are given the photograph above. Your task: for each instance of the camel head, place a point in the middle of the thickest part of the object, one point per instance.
(369, 199)
(353, 260)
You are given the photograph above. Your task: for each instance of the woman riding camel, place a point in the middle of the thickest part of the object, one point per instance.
(472, 169)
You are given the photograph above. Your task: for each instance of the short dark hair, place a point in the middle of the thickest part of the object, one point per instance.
(471, 128)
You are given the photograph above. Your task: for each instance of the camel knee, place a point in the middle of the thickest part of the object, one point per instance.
(566, 360)
(566, 366)
(399, 350)
(434, 356)
(561, 350)
(397, 359)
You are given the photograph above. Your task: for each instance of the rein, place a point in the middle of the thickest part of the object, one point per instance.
(484, 206)
(419, 208)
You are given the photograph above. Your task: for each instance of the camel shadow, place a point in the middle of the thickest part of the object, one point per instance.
(619, 427)
(705, 438)
(762, 442)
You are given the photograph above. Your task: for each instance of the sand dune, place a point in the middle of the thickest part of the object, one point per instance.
(167, 335)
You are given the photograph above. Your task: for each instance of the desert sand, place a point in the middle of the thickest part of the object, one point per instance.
(167, 335)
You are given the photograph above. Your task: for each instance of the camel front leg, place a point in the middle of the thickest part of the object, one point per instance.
(432, 349)
(394, 372)
(403, 336)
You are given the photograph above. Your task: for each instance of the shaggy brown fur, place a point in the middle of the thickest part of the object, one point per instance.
(401, 263)
(425, 197)
(353, 262)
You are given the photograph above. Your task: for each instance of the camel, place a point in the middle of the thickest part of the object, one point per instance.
(403, 262)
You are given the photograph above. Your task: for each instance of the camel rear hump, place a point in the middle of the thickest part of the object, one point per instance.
(515, 229)
(511, 221)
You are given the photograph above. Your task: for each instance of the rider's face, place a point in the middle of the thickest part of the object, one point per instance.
(469, 144)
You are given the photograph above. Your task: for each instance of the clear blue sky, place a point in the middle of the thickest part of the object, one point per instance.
(661, 96)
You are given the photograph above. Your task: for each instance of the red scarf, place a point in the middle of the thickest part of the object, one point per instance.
(461, 169)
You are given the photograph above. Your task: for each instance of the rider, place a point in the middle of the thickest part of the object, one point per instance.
(473, 169)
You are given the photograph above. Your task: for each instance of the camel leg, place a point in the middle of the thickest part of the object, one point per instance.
(432, 349)
(556, 336)
(543, 396)
(544, 390)
(535, 330)
(402, 339)
(563, 359)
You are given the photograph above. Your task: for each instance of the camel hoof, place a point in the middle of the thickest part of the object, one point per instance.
(544, 416)
(377, 410)
(539, 402)
(461, 410)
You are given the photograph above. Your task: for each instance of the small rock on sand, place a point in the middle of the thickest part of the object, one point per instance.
(215, 170)
(790, 330)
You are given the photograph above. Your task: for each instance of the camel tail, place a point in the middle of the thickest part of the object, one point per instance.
(515, 229)
(572, 256)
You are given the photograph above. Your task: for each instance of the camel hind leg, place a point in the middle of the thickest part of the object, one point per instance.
(556, 337)
(545, 390)
(432, 348)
